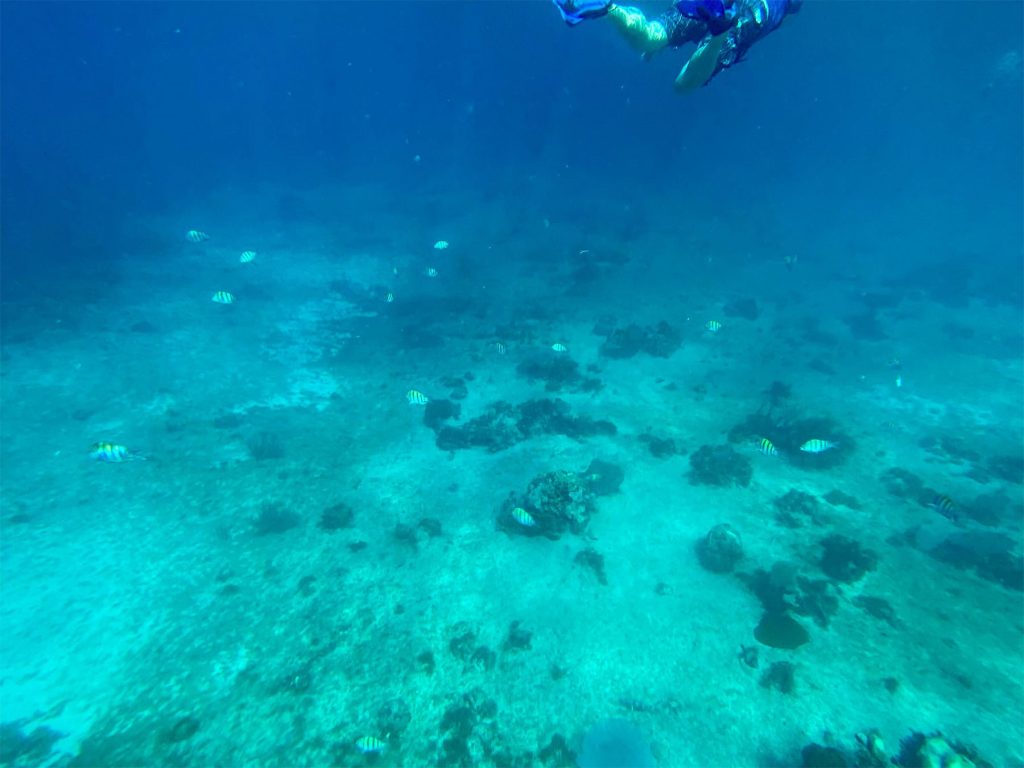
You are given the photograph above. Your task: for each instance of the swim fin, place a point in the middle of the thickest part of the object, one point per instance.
(701, 65)
(575, 11)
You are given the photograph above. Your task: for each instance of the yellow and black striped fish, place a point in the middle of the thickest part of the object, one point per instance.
(767, 447)
(818, 446)
(370, 745)
(112, 453)
(195, 236)
(523, 517)
(415, 397)
(945, 506)
(223, 297)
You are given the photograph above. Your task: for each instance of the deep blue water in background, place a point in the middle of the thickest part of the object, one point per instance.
(114, 109)
(880, 143)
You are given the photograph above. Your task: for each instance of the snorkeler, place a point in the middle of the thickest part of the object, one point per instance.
(723, 29)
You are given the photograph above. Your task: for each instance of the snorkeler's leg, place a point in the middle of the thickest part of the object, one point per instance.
(701, 65)
(643, 35)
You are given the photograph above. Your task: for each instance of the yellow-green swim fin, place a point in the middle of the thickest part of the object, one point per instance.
(701, 65)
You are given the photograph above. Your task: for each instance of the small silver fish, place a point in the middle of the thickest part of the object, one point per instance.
(195, 236)
(818, 446)
(523, 517)
(415, 397)
(247, 256)
(223, 297)
(559, 347)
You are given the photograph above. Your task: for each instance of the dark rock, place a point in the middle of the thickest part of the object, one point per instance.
(837, 498)
(744, 308)
(405, 534)
(518, 639)
(431, 526)
(336, 517)
(557, 753)
(719, 465)
(878, 607)
(720, 549)
(844, 559)
(462, 645)
(817, 756)
(483, 658)
(603, 477)
(780, 676)
(184, 728)
(426, 662)
(274, 518)
(393, 717)
(795, 507)
(437, 412)
(264, 446)
(780, 630)
(590, 558)
(18, 748)
(816, 599)
(660, 448)
(749, 655)
(903, 483)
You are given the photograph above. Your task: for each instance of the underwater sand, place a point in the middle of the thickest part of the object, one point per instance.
(141, 593)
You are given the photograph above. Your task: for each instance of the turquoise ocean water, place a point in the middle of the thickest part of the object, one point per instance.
(550, 418)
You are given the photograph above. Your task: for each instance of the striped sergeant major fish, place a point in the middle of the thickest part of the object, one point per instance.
(112, 453)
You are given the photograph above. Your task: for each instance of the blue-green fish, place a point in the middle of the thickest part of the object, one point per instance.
(818, 446)
(223, 297)
(712, 326)
(195, 236)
